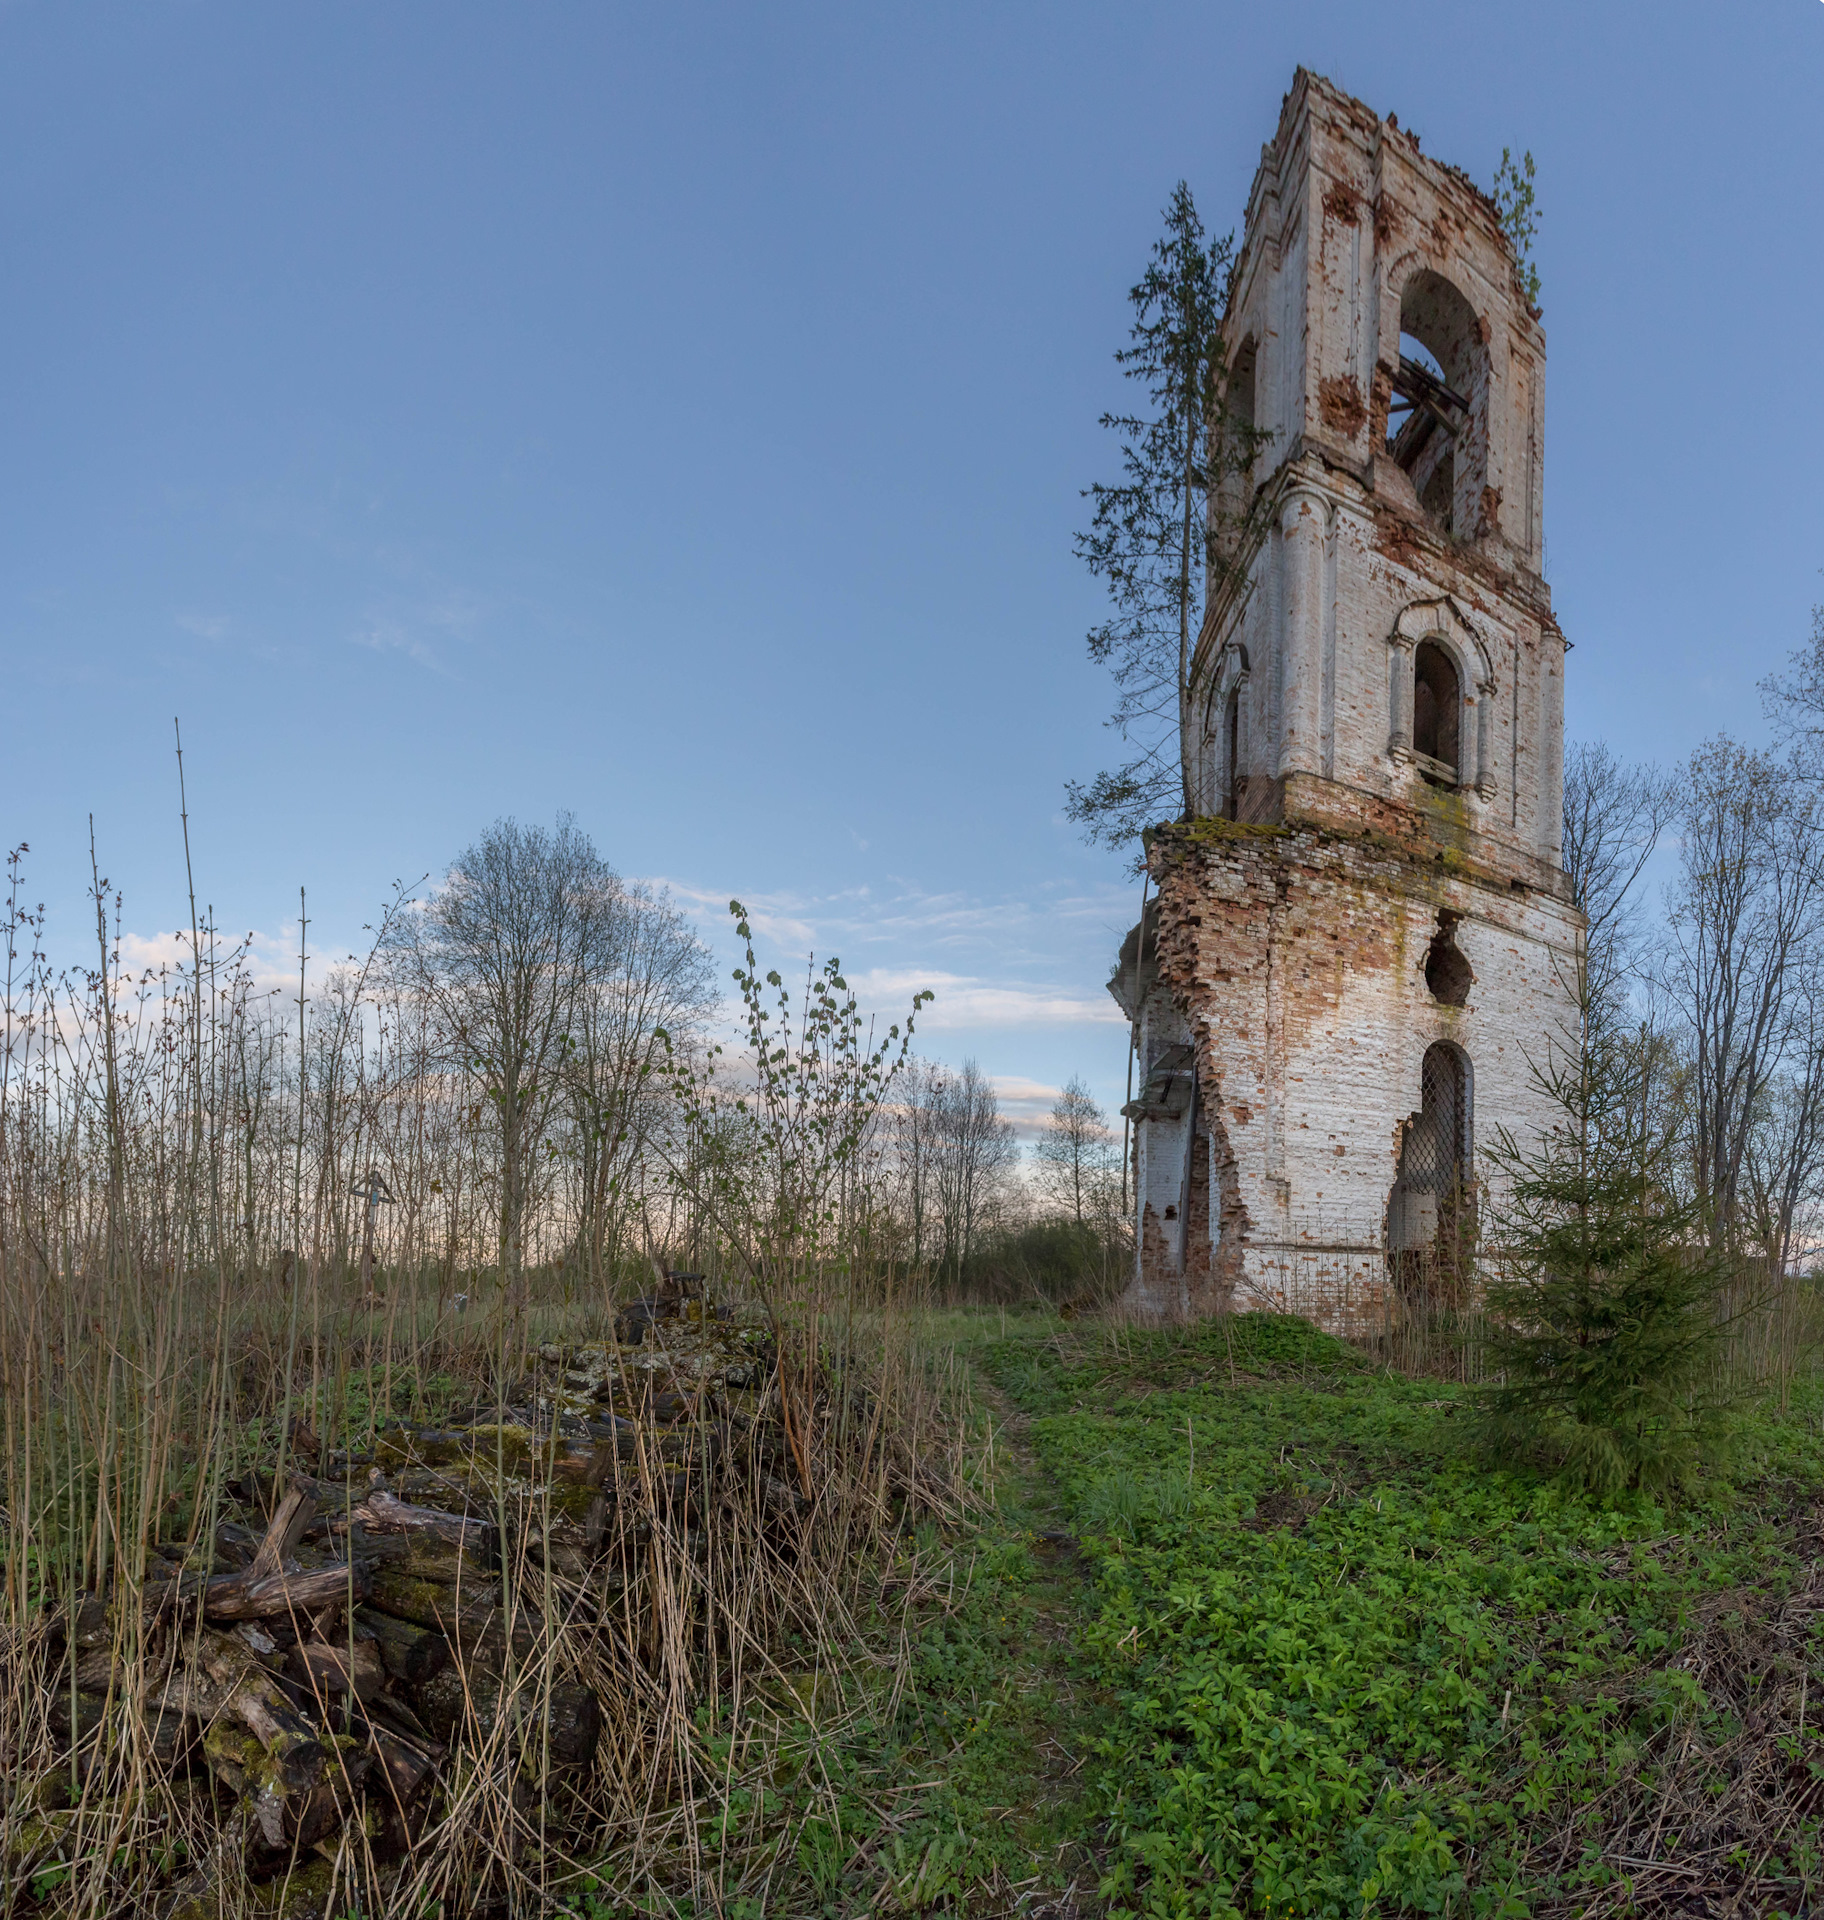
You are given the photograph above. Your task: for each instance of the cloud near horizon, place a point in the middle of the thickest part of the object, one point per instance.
(965, 1001)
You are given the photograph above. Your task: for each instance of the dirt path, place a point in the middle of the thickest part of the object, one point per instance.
(1059, 1708)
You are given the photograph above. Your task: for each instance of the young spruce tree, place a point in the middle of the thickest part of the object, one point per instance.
(1605, 1332)
(1159, 536)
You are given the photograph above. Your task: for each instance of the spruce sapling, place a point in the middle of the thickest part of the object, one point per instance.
(1604, 1337)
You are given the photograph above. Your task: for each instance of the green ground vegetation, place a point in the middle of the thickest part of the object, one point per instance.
(1335, 1664)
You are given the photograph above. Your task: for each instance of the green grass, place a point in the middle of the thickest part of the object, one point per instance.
(1351, 1670)
(951, 1784)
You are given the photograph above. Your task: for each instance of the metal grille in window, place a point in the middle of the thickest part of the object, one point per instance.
(1435, 1147)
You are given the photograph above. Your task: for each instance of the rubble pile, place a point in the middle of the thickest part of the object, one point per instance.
(353, 1627)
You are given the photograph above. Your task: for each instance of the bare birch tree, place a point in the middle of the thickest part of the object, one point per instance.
(976, 1151)
(915, 1150)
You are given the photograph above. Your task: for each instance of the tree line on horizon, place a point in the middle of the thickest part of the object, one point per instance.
(491, 1088)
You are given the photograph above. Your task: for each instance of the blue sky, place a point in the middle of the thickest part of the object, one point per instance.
(678, 415)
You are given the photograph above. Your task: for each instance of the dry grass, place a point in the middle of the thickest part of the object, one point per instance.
(161, 1157)
(719, 1633)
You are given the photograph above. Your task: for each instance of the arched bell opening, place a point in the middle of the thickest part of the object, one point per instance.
(1436, 424)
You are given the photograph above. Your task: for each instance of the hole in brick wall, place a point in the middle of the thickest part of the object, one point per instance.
(1447, 973)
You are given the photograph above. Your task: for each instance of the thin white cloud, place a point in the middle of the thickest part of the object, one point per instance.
(963, 1002)
(1026, 1103)
(864, 916)
(206, 626)
(386, 636)
(415, 628)
(269, 961)
(1017, 1088)
(1023, 973)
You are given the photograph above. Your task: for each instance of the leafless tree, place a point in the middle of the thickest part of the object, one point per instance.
(976, 1152)
(1077, 1157)
(1748, 897)
(648, 976)
(1794, 701)
(505, 951)
(1784, 1162)
(914, 1127)
(1614, 815)
(954, 1155)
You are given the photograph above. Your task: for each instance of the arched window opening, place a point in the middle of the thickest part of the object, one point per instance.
(1430, 1212)
(1239, 400)
(1233, 450)
(1231, 755)
(1447, 972)
(1432, 423)
(1437, 702)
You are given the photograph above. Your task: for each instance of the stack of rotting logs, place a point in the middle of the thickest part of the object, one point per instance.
(359, 1623)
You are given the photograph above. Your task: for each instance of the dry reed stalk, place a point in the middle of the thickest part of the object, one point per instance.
(180, 1301)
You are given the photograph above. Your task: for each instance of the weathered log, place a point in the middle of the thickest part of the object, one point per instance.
(383, 1512)
(432, 1603)
(77, 1716)
(235, 1597)
(624, 1442)
(394, 1711)
(324, 1667)
(470, 1617)
(170, 1736)
(567, 1546)
(261, 1746)
(303, 1436)
(290, 1812)
(290, 1520)
(234, 1544)
(476, 1705)
(251, 1634)
(426, 1557)
(228, 1682)
(404, 1765)
(94, 1669)
(263, 1587)
(84, 1623)
(421, 1446)
(409, 1653)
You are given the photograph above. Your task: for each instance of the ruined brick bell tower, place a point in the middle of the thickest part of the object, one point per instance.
(1363, 943)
